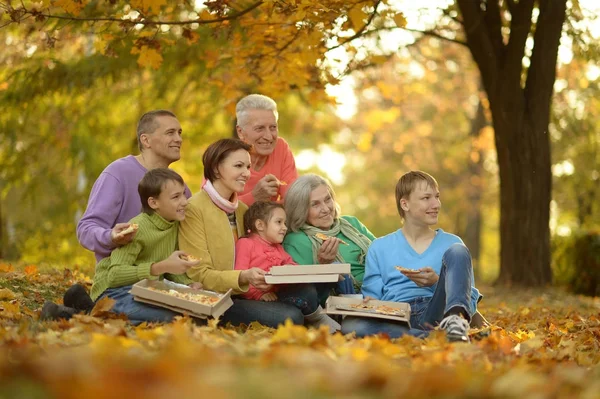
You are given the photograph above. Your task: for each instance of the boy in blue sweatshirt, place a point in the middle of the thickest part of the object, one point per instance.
(427, 268)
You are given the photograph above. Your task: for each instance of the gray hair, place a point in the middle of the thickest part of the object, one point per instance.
(297, 199)
(148, 124)
(254, 101)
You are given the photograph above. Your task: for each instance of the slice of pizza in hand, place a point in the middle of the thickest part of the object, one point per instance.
(188, 258)
(402, 269)
(132, 227)
(324, 237)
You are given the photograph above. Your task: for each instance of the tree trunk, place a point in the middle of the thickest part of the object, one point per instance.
(472, 233)
(520, 117)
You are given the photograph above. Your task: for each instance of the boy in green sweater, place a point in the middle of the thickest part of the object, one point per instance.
(151, 255)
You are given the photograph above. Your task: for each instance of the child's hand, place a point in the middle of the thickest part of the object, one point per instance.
(195, 285)
(424, 277)
(173, 264)
(269, 297)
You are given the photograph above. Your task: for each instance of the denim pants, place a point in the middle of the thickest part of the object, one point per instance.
(453, 290)
(294, 301)
(139, 312)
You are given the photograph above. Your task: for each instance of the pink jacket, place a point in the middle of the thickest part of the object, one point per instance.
(254, 251)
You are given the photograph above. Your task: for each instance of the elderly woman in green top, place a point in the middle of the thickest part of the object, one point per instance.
(311, 209)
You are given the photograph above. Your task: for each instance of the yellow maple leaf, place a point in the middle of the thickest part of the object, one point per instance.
(146, 5)
(5, 293)
(400, 20)
(70, 6)
(149, 57)
(10, 310)
(357, 17)
(6, 268)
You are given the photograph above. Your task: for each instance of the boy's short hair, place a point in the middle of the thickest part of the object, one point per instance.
(407, 184)
(153, 183)
(217, 152)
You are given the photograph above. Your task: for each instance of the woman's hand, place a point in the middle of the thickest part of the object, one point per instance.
(328, 251)
(269, 297)
(424, 277)
(255, 277)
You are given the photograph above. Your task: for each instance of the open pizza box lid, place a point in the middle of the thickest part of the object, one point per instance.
(301, 278)
(396, 311)
(157, 293)
(333, 268)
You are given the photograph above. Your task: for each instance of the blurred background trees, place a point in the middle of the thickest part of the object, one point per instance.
(410, 96)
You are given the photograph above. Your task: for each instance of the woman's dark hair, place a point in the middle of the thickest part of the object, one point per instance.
(153, 183)
(217, 152)
(260, 210)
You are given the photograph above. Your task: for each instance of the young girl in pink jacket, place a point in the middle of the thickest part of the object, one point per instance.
(264, 223)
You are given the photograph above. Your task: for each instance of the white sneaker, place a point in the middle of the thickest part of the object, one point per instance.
(457, 328)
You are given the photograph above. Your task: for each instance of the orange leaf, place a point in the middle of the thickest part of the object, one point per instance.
(31, 270)
(103, 306)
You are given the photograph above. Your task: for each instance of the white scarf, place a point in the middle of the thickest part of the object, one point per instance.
(223, 204)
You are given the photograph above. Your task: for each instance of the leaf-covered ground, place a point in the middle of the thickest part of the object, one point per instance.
(543, 344)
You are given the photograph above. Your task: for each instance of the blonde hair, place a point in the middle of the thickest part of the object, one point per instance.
(297, 199)
(407, 184)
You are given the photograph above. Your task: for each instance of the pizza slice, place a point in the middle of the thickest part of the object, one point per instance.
(324, 237)
(402, 269)
(188, 258)
(132, 227)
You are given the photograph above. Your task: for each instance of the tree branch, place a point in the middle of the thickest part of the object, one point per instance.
(520, 27)
(361, 30)
(147, 22)
(542, 71)
(480, 44)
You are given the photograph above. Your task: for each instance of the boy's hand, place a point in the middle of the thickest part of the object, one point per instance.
(195, 285)
(269, 297)
(173, 264)
(328, 251)
(121, 239)
(424, 277)
(255, 277)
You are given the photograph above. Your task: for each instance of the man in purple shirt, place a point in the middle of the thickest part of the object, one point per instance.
(114, 199)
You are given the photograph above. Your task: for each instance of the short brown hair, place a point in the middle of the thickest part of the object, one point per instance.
(153, 183)
(407, 184)
(148, 123)
(260, 210)
(217, 152)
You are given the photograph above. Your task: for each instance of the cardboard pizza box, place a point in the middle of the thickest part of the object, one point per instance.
(349, 306)
(333, 268)
(301, 278)
(157, 293)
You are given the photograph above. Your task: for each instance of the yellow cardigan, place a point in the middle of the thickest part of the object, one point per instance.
(206, 234)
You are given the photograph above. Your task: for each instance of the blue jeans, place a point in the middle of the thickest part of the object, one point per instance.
(341, 287)
(139, 312)
(453, 290)
(293, 302)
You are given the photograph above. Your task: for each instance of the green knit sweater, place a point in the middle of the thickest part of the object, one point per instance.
(155, 241)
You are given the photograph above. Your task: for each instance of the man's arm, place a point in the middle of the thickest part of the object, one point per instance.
(372, 283)
(94, 228)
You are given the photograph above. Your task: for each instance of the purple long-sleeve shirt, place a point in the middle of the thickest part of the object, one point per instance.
(114, 199)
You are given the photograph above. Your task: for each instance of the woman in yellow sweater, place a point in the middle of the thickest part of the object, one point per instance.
(214, 222)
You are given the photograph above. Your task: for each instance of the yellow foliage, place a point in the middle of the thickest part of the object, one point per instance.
(149, 57)
(70, 6)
